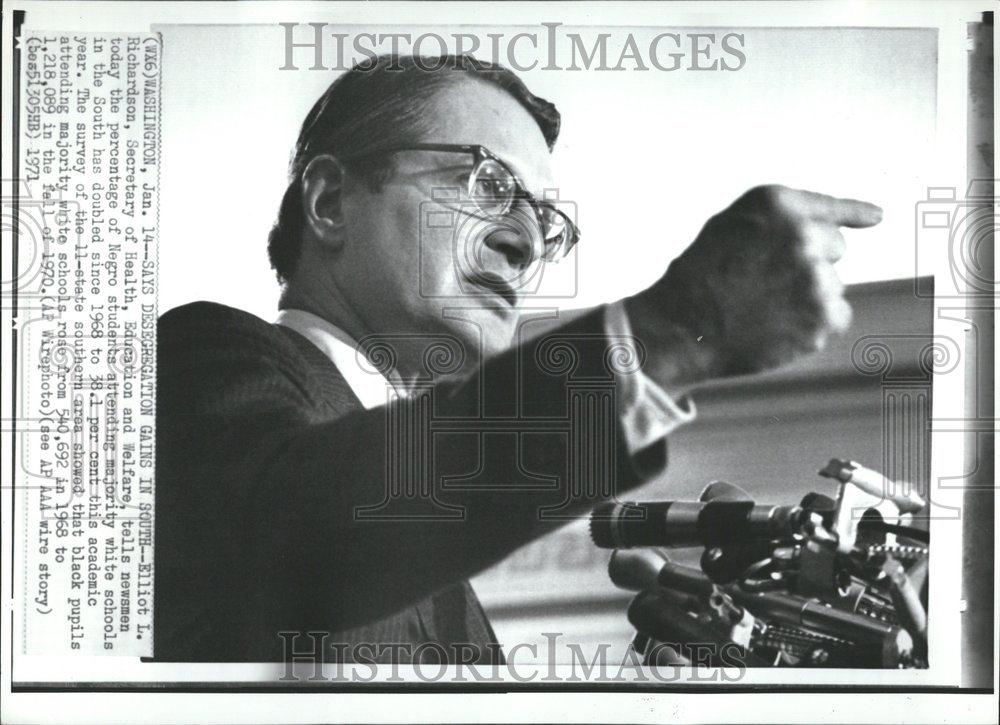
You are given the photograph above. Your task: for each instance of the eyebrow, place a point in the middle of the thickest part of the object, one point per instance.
(520, 179)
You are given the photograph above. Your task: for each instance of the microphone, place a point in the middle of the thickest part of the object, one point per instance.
(875, 640)
(677, 637)
(715, 522)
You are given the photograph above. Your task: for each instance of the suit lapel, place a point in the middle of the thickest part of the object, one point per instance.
(452, 615)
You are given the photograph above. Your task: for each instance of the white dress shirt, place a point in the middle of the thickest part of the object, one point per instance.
(646, 411)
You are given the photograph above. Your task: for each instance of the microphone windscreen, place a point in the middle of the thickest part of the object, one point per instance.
(655, 615)
(724, 491)
(635, 569)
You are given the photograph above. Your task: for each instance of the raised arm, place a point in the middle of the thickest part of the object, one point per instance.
(295, 522)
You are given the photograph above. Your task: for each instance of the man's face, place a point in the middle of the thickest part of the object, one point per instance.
(420, 258)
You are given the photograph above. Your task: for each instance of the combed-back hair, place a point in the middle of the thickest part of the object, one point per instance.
(379, 104)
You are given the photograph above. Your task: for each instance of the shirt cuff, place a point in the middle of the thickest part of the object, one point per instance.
(646, 412)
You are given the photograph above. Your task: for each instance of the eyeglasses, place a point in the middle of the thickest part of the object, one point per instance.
(495, 189)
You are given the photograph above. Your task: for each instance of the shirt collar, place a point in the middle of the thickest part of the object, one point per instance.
(367, 382)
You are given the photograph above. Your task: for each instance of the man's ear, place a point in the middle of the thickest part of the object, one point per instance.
(322, 193)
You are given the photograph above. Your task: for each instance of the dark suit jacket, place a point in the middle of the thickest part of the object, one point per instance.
(281, 503)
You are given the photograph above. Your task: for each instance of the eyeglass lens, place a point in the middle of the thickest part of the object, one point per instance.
(494, 189)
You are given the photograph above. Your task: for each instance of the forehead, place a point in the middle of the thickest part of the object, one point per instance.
(471, 111)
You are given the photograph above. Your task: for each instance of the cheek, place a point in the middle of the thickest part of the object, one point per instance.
(405, 253)
(437, 259)
(435, 252)
(385, 229)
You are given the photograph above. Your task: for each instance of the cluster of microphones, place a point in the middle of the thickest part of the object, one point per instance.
(829, 582)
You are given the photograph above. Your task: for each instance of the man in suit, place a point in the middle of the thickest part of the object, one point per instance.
(398, 429)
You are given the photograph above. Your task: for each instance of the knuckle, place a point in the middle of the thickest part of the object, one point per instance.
(769, 196)
(819, 340)
(844, 315)
(838, 246)
(827, 279)
(835, 316)
(806, 239)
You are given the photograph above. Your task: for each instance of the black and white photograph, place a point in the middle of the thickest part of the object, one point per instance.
(487, 361)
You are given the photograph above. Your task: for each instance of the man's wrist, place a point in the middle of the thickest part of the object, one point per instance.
(677, 359)
(647, 413)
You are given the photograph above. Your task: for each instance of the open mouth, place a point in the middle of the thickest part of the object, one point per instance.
(495, 284)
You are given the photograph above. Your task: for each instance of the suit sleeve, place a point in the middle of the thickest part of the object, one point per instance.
(295, 519)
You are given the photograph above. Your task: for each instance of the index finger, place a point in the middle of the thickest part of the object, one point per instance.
(851, 213)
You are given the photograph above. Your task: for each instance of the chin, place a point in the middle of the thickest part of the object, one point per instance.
(483, 335)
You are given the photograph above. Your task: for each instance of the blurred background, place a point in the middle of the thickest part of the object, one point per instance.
(646, 157)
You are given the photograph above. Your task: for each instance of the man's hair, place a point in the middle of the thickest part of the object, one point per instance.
(379, 104)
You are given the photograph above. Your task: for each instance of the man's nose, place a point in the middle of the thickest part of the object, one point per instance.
(519, 239)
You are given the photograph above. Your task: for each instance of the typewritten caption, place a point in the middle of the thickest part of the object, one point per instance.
(90, 110)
